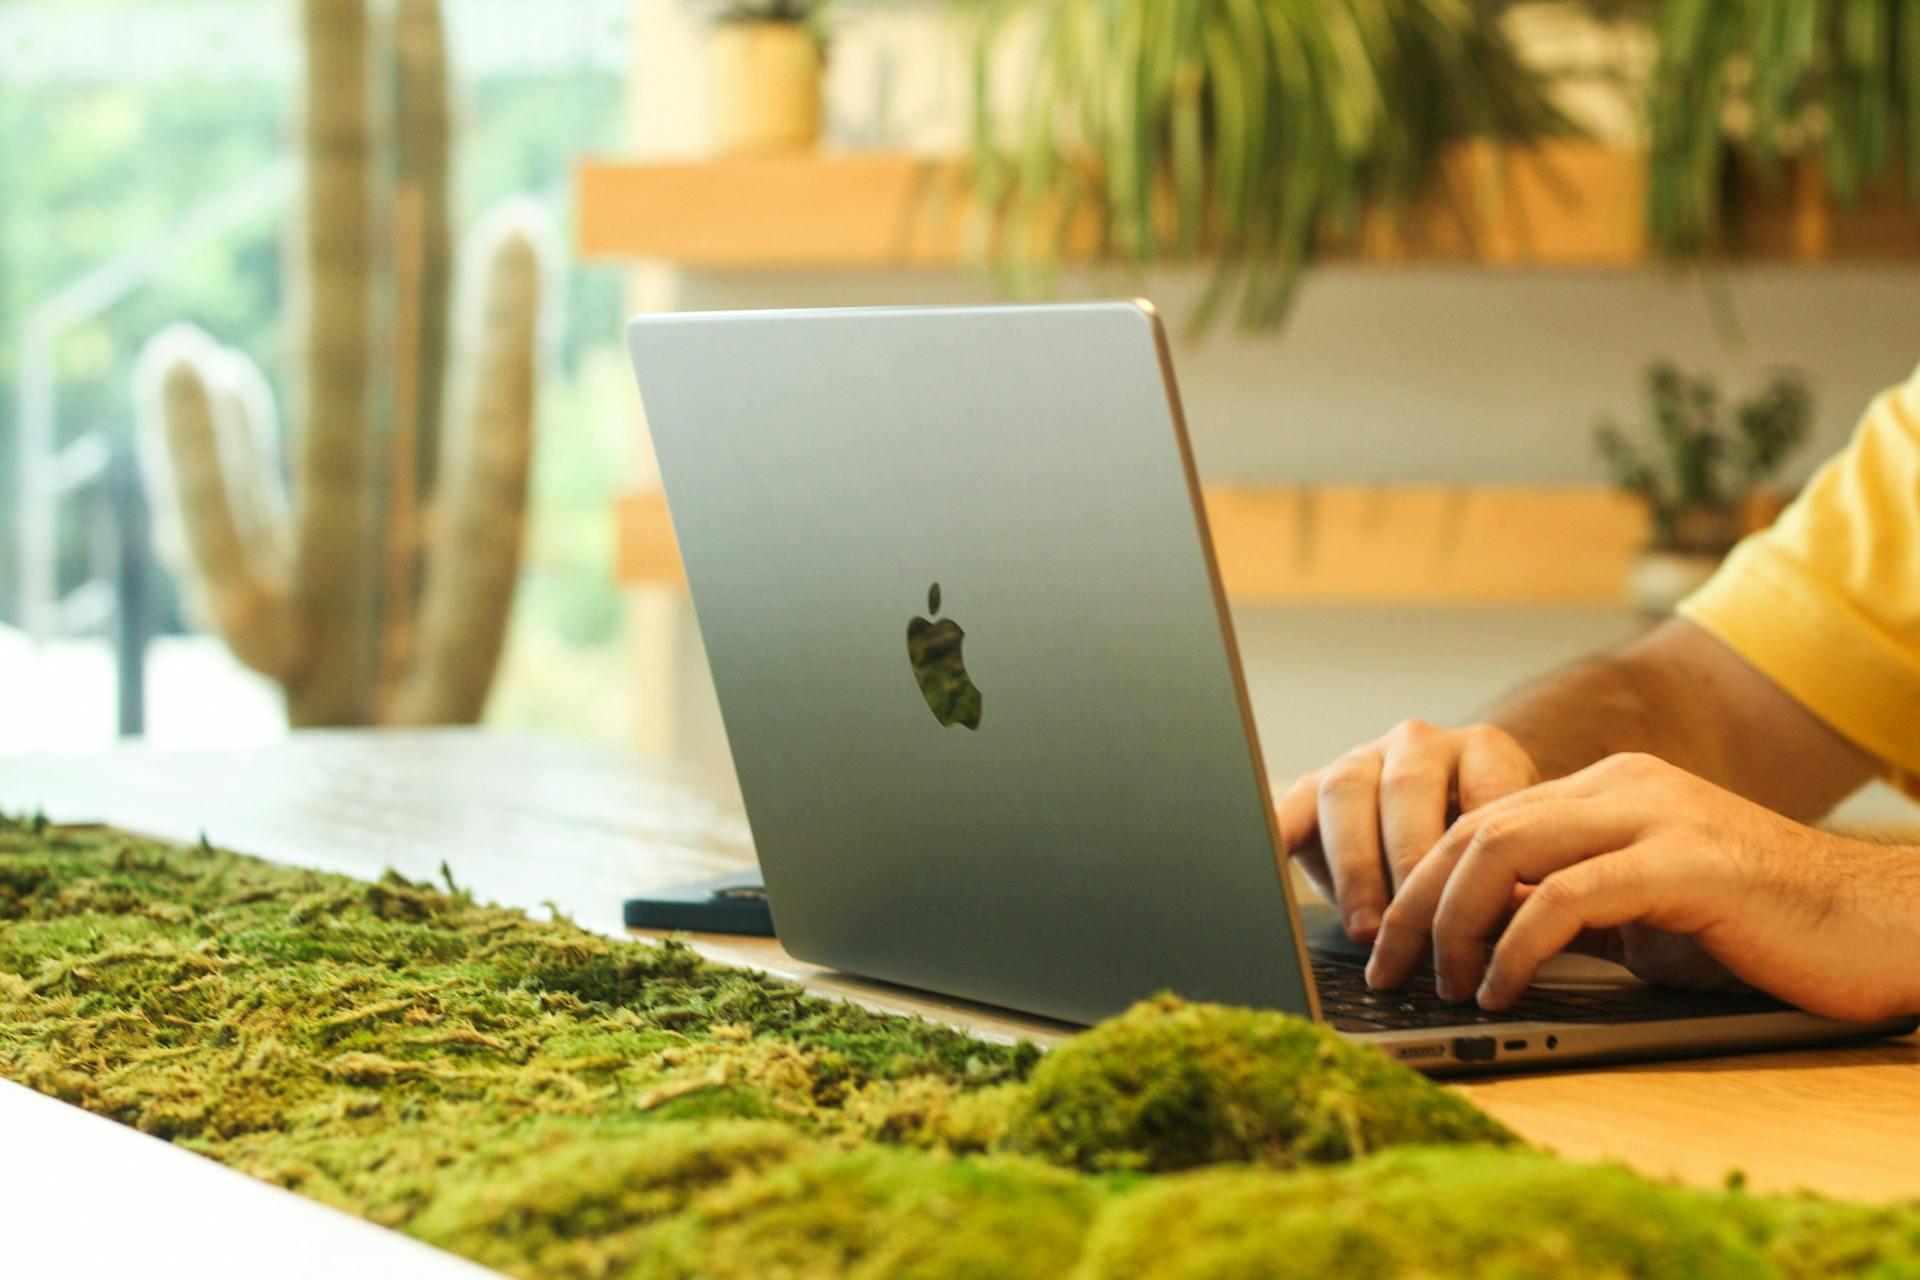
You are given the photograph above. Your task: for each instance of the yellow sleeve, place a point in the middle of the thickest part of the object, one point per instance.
(1826, 602)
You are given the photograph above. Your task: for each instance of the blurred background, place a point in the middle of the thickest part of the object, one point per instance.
(1496, 323)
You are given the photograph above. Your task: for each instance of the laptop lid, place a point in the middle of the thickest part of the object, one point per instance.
(955, 586)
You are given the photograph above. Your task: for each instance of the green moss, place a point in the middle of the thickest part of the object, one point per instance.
(1480, 1214)
(1815, 1239)
(562, 1106)
(877, 1214)
(1462, 1214)
(576, 1199)
(1170, 1085)
(366, 1044)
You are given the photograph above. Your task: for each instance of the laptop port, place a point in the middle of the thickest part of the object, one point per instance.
(1514, 1046)
(1474, 1049)
(1415, 1052)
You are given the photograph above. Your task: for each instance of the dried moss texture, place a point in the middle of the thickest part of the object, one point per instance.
(378, 1045)
(555, 1104)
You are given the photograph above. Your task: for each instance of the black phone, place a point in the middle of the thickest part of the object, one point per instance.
(727, 904)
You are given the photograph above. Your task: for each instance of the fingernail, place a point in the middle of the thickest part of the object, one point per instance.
(1443, 987)
(1362, 924)
(1484, 994)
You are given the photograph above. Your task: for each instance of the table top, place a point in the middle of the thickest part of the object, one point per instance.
(528, 822)
(172, 1212)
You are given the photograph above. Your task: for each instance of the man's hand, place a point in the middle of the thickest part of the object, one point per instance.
(1632, 850)
(1378, 809)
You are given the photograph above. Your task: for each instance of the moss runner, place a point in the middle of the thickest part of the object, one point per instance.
(557, 1104)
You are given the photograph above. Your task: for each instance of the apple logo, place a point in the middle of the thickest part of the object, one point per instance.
(934, 650)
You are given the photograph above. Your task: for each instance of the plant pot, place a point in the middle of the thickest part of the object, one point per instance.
(766, 87)
(1658, 580)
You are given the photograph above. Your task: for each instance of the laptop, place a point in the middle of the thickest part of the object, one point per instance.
(954, 579)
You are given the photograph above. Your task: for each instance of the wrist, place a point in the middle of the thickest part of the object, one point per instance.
(1880, 882)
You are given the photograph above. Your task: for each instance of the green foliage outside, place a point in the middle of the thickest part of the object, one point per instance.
(552, 1103)
(90, 171)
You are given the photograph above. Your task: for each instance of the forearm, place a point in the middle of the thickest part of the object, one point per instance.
(1681, 695)
(1601, 707)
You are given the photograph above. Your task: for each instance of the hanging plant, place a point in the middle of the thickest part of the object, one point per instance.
(1770, 81)
(1251, 130)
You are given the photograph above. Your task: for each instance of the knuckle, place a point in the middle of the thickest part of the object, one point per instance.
(1362, 883)
(1403, 857)
(1399, 918)
(1413, 730)
(1509, 953)
(1491, 740)
(1613, 875)
(1403, 777)
(1632, 764)
(1347, 775)
(1494, 834)
(1558, 894)
(1482, 735)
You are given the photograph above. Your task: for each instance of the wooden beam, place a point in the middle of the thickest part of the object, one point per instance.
(819, 211)
(1559, 204)
(1352, 544)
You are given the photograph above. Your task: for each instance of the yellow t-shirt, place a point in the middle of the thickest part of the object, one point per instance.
(1826, 602)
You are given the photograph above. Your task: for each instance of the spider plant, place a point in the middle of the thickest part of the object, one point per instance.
(1771, 80)
(1250, 130)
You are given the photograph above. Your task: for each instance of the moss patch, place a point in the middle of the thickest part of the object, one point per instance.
(1423, 1213)
(876, 1214)
(556, 1104)
(365, 1043)
(1169, 1085)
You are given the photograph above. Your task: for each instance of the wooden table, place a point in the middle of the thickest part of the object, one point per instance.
(528, 822)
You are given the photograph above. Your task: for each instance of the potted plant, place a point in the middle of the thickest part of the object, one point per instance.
(1826, 93)
(767, 65)
(1252, 132)
(1704, 480)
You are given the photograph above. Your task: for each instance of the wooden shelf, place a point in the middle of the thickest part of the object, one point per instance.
(1561, 205)
(1352, 544)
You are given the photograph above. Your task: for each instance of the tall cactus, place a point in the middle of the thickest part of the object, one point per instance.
(383, 597)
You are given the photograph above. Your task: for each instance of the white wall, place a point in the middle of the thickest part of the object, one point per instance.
(1459, 374)
(1383, 374)
(1408, 374)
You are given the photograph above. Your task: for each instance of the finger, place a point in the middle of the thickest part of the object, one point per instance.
(1492, 765)
(1604, 944)
(1297, 817)
(1599, 893)
(1416, 779)
(1313, 864)
(1349, 816)
(1520, 845)
(1298, 811)
(1408, 922)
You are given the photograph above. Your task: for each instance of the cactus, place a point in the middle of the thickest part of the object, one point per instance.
(383, 597)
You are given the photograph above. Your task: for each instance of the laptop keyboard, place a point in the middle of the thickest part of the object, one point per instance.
(1350, 1005)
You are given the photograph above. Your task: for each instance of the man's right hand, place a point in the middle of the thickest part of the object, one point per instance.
(1361, 824)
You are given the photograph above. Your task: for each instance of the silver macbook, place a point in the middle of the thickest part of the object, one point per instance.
(954, 579)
